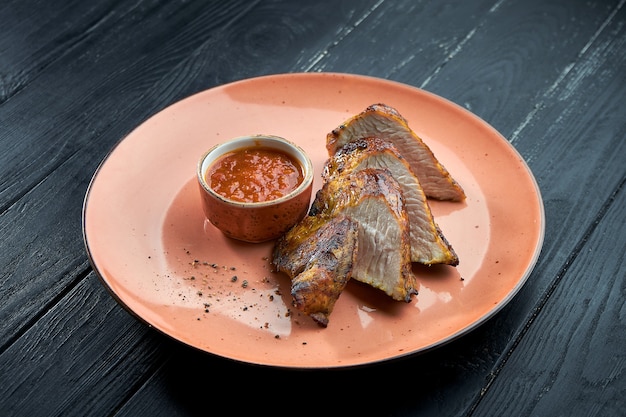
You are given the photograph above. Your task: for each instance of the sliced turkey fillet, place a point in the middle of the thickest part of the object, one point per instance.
(428, 244)
(373, 199)
(386, 123)
(318, 257)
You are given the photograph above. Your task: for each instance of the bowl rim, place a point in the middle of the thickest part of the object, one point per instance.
(239, 142)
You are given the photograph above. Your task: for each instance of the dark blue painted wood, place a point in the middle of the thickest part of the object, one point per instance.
(75, 77)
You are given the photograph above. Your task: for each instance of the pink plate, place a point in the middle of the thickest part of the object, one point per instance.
(147, 239)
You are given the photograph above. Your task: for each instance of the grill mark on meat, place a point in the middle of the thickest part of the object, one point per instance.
(385, 122)
(357, 228)
(319, 257)
(371, 218)
(373, 199)
(428, 244)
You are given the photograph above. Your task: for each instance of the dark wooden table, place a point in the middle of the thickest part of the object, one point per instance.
(77, 76)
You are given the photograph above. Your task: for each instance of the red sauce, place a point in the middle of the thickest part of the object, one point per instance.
(254, 174)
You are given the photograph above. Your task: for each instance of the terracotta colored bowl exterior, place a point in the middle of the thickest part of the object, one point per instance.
(262, 221)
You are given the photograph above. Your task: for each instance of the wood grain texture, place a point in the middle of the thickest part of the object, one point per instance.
(575, 147)
(405, 41)
(32, 41)
(573, 352)
(78, 377)
(75, 78)
(586, 111)
(58, 121)
(524, 49)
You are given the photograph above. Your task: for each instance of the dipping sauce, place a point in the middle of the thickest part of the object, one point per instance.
(254, 174)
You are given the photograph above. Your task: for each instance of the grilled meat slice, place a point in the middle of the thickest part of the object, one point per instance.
(373, 199)
(428, 244)
(318, 257)
(385, 122)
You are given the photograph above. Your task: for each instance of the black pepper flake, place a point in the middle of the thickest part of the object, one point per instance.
(244, 284)
(233, 278)
(277, 336)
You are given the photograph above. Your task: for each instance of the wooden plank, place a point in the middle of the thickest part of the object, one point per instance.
(516, 54)
(29, 42)
(406, 41)
(588, 109)
(58, 366)
(436, 376)
(573, 353)
(51, 113)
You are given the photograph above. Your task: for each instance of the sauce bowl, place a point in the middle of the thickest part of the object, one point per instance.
(256, 221)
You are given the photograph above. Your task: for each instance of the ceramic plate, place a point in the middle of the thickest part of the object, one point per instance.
(148, 241)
